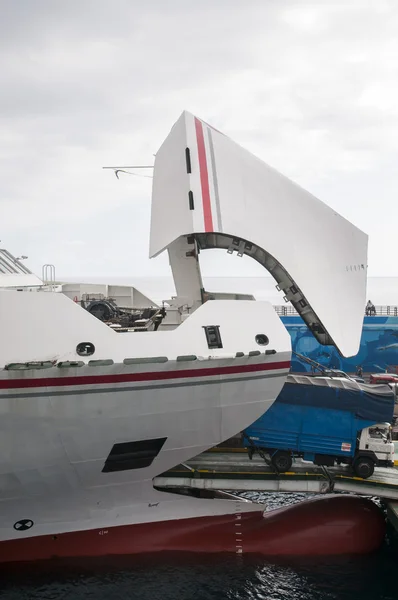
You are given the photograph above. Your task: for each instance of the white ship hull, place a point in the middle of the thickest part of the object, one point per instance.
(55, 441)
(59, 426)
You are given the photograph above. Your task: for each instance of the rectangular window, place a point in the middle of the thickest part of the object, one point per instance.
(213, 336)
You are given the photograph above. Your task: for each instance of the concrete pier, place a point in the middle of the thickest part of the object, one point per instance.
(234, 471)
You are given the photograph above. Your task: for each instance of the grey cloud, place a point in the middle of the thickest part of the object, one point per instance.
(310, 87)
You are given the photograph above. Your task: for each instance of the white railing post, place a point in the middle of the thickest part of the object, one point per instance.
(48, 276)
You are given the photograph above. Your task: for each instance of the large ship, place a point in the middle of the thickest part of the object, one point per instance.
(91, 414)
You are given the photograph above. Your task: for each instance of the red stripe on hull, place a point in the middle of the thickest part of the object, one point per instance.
(326, 526)
(131, 377)
(204, 176)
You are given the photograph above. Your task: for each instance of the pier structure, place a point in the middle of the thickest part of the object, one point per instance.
(230, 470)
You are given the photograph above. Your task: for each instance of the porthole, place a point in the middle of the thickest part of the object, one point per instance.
(85, 349)
(262, 339)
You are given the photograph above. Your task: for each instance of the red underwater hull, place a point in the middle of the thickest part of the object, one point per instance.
(327, 526)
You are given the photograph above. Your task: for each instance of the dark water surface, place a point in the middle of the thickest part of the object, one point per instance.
(175, 577)
(197, 577)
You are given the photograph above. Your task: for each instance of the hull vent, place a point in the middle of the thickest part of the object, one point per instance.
(133, 455)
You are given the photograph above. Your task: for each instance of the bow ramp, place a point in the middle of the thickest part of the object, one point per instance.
(212, 193)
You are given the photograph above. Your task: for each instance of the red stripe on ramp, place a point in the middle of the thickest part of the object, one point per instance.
(204, 176)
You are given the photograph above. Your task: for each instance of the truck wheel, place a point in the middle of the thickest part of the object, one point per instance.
(282, 461)
(364, 467)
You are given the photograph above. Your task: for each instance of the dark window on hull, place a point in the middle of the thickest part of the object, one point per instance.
(213, 336)
(133, 455)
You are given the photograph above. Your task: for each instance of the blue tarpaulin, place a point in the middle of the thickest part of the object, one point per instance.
(367, 402)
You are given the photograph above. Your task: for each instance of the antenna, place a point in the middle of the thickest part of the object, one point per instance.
(117, 170)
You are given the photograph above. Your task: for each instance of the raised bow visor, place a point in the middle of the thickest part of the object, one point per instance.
(215, 194)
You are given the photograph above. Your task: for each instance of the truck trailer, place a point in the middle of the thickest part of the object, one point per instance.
(326, 421)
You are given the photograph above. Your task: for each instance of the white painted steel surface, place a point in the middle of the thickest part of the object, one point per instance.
(324, 254)
(54, 442)
(13, 280)
(48, 326)
(55, 437)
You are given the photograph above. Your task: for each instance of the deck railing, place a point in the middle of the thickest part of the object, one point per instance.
(381, 310)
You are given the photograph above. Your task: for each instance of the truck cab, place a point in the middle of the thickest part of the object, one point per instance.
(375, 444)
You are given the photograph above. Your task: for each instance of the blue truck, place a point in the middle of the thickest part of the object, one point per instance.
(326, 421)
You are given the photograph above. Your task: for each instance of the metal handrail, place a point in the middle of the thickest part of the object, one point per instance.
(48, 275)
(388, 310)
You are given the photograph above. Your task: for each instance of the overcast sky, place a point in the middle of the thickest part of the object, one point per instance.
(310, 87)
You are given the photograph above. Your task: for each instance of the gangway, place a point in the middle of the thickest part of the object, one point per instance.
(234, 471)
